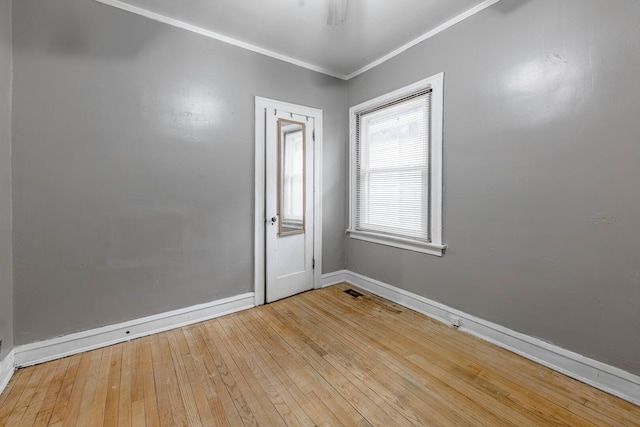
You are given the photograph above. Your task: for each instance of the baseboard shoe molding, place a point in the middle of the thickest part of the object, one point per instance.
(7, 368)
(330, 279)
(67, 345)
(605, 377)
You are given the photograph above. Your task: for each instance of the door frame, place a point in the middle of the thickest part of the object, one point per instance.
(259, 235)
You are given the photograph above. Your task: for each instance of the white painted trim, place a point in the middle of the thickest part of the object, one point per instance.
(436, 246)
(259, 205)
(317, 200)
(440, 28)
(597, 374)
(217, 36)
(253, 48)
(261, 104)
(334, 278)
(437, 153)
(7, 368)
(67, 345)
(397, 242)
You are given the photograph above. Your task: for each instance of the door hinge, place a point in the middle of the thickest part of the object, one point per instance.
(313, 135)
(313, 263)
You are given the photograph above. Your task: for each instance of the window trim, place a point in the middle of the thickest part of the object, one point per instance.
(436, 246)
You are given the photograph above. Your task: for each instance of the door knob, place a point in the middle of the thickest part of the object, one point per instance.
(274, 220)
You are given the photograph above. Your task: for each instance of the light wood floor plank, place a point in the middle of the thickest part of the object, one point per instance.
(88, 365)
(449, 388)
(304, 376)
(439, 401)
(318, 409)
(40, 394)
(12, 384)
(296, 400)
(288, 408)
(64, 395)
(322, 358)
(262, 407)
(230, 379)
(191, 408)
(89, 395)
(99, 403)
(148, 383)
(170, 383)
(32, 396)
(53, 390)
(220, 401)
(162, 383)
(313, 354)
(137, 375)
(381, 393)
(436, 395)
(489, 364)
(112, 405)
(124, 397)
(138, 418)
(200, 393)
(13, 397)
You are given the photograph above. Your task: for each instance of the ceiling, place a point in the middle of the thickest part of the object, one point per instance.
(298, 29)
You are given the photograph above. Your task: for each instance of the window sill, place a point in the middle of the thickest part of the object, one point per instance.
(398, 242)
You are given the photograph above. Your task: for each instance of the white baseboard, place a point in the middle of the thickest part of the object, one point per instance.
(597, 374)
(67, 345)
(7, 368)
(334, 278)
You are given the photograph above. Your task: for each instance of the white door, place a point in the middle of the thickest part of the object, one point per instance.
(289, 203)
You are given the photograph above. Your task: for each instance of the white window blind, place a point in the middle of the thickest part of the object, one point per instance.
(392, 173)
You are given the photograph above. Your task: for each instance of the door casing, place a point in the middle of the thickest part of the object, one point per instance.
(261, 104)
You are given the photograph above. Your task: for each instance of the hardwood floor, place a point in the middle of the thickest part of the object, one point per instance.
(317, 359)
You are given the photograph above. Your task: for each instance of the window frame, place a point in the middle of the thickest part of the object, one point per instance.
(436, 245)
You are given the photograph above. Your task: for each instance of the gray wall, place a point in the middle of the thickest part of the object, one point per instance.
(6, 286)
(542, 173)
(133, 165)
(133, 175)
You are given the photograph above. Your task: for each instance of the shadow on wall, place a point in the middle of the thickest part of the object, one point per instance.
(84, 34)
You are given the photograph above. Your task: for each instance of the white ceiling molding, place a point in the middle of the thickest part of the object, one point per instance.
(251, 47)
(213, 35)
(425, 36)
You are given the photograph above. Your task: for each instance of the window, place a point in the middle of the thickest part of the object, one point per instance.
(396, 168)
(292, 158)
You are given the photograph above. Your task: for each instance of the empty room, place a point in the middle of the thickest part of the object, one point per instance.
(319, 212)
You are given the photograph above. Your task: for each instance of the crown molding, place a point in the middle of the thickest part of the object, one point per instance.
(217, 36)
(257, 49)
(450, 23)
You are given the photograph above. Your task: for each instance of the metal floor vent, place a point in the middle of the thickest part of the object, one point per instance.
(353, 293)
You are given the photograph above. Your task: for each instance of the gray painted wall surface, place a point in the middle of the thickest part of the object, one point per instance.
(542, 173)
(133, 165)
(6, 285)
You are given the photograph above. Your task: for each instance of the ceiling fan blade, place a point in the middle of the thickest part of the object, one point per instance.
(337, 12)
